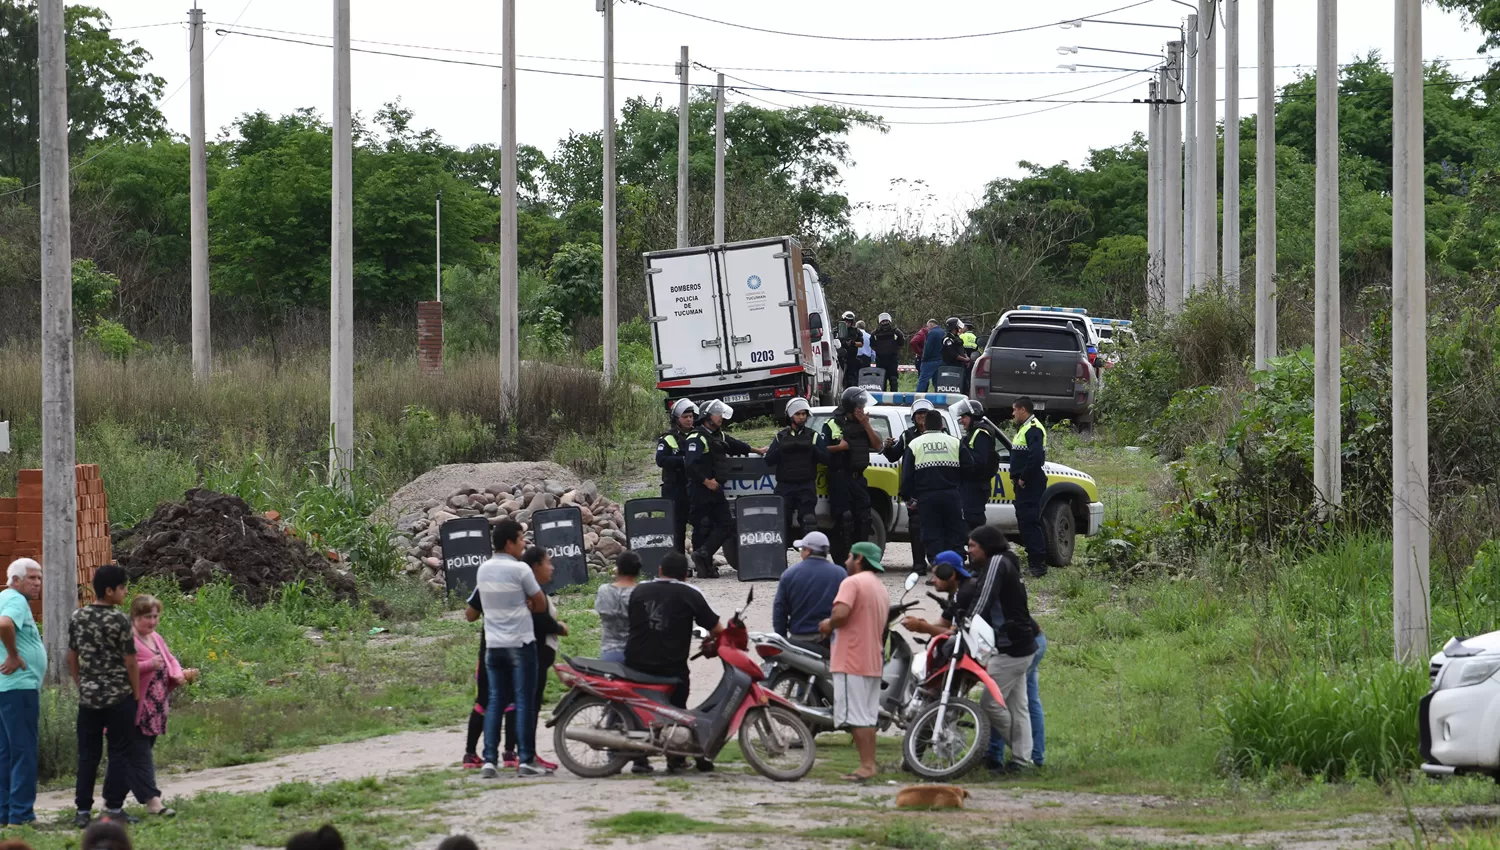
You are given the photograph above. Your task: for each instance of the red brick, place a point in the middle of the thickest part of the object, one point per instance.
(29, 528)
(29, 476)
(7, 505)
(29, 505)
(29, 490)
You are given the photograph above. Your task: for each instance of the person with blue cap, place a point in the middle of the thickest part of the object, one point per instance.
(950, 576)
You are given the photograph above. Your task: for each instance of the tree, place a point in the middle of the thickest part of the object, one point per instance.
(109, 93)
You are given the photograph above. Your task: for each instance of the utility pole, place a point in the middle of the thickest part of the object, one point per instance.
(198, 200)
(1326, 396)
(341, 283)
(611, 292)
(438, 232)
(1409, 506)
(59, 458)
(719, 142)
(1232, 144)
(1206, 202)
(682, 152)
(1265, 188)
(1154, 253)
(1171, 79)
(1190, 152)
(510, 346)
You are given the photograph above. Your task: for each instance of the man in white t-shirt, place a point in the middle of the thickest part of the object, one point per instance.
(505, 595)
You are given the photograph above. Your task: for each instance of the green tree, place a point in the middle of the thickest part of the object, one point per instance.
(109, 93)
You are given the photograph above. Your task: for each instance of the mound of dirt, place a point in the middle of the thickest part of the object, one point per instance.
(432, 488)
(211, 537)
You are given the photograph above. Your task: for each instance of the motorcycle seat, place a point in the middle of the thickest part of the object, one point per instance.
(821, 649)
(618, 670)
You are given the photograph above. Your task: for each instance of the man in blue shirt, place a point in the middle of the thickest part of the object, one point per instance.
(21, 677)
(932, 358)
(805, 594)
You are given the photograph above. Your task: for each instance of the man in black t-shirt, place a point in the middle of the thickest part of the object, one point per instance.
(662, 614)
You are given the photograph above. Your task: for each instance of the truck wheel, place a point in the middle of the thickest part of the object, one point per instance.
(1060, 530)
(877, 529)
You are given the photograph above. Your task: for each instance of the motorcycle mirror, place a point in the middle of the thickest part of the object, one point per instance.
(911, 580)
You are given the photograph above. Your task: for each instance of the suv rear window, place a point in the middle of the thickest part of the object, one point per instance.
(1035, 339)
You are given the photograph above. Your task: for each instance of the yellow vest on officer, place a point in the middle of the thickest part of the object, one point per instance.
(1026, 460)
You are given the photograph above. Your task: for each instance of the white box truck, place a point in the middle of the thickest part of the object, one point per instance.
(744, 322)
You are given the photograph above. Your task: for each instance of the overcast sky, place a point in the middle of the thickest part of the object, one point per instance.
(945, 166)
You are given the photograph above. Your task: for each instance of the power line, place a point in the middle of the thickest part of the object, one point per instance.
(889, 39)
(1018, 114)
(143, 26)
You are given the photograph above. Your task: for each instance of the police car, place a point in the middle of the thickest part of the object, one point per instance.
(1457, 718)
(1070, 504)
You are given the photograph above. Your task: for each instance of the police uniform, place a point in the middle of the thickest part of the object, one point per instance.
(894, 454)
(971, 348)
(848, 493)
(887, 343)
(1027, 455)
(931, 472)
(671, 449)
(979, 480)
(794, 456)
(955, 356)
(707, 456)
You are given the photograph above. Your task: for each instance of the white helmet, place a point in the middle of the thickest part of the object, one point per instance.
(718, 408)
(848, 315)
(883, 318)
(682, 406)
(797, 405)
(920, 405)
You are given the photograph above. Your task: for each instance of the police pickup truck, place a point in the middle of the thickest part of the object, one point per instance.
(1070, 505)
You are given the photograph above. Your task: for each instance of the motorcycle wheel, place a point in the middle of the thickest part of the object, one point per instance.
(951, 751)
(583, 759)
(797, 687)
(776, 742)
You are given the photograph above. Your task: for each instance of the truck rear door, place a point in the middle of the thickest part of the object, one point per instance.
(1038, 361)
(685, 316)
(761, 306)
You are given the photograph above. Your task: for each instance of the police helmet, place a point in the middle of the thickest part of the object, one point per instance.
(797, 405)
(920, 405)
(848, 315)
(717, 408)
(969, 407)
(884, 318)
(854, 398)
(683, 406)
(954, 324)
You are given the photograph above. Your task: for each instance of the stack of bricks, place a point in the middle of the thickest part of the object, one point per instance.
(430, 337)
(21, 525)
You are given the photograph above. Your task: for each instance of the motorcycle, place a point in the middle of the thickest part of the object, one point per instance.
(798, 670)
(612, 714)
(946, 732)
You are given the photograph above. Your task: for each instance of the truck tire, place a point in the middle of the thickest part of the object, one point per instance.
(877, 529)
(1061, 531)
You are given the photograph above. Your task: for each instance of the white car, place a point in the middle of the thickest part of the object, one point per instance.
(1460, 716)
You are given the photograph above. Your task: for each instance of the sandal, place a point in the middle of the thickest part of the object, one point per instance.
(164, 813)
(856, 778)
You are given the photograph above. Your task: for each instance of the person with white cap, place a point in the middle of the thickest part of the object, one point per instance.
(804, 596)
(705, 460)
(894, 451)
(671, 453)
(888, 343)
(794, 456)
(21, 676)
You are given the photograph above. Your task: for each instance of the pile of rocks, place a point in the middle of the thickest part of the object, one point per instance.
(417, 530)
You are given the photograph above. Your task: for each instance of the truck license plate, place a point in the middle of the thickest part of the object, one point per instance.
(1041, 405)
(734, 398)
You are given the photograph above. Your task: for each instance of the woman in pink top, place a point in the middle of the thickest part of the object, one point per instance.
(160, 675)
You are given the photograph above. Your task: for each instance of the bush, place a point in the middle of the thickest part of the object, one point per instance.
(1349, 722)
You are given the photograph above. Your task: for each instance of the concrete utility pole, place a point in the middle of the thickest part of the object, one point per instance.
(611, 291)
(719, 142)
(1154, 253)
(1206, 201)
(1265, 188)
(1190, 154)
(437, 230)
(1409, 507)
(341, 283)
(682, 152)
(59, 487)
(510, 329)
(1171, 78)
(1326, 343)
(1232, 144)
(198, 200)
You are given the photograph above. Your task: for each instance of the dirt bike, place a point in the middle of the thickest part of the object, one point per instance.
(947, 733)
(613, 714)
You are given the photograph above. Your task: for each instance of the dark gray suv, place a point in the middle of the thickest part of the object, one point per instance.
(1048, 362)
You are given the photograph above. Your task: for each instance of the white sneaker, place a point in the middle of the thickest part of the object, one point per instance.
(489, 771)
(529, 770)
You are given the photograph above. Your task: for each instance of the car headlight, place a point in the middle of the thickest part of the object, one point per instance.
(1463, 672)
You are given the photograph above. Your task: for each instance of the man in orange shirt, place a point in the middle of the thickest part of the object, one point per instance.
(858, 626)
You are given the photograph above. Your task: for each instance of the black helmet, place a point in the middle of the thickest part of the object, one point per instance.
(954, 324)
(854, 398)
(969, 407)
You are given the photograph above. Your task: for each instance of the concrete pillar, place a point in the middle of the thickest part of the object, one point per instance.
(510, 329)
(1190, 159)
(1172, 168)
(198, 202)
(1206, 199)
(1265, 188)
(1154, 254)
(719, 145)
(683, 108)
(610, 249)
(341, 283)
(1232, 144)
(1326, 344)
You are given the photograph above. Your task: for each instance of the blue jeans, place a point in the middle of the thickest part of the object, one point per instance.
(19, 713)
(926, 372)
(1034, 707)
(512, 673)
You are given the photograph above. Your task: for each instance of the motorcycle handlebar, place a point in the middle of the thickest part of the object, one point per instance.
(935, 598)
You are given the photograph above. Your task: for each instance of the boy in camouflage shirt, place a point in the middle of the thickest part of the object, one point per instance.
(101, 657)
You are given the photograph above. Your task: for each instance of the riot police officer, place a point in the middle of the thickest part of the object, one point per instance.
(671, 451)
(705, 460)
(894, 450)
(954, 353)
(793, 454)
(846, 440)
(982, 439)
(1028, 475)
(932, 470)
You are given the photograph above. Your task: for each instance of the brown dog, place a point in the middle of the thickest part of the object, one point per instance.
(931, 797)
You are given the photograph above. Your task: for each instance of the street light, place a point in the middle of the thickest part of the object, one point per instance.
(1076, 66)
